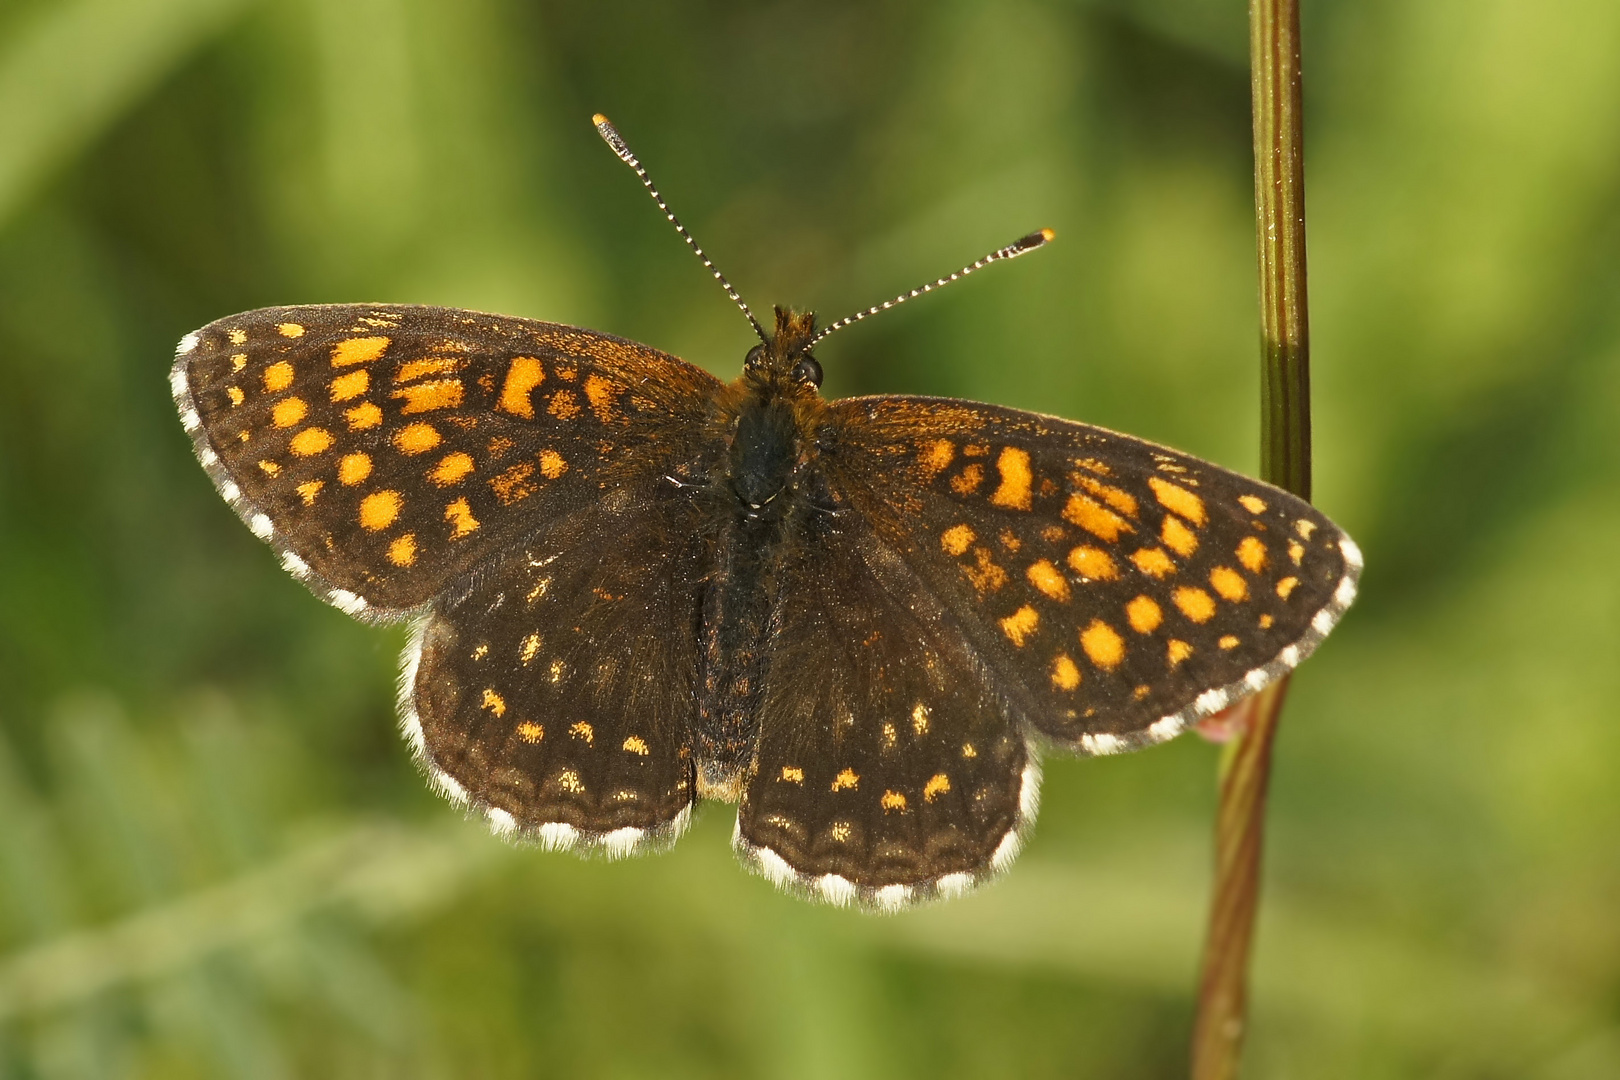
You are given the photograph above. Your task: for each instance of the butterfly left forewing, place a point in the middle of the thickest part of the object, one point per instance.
(1115, 589)
(386, 450)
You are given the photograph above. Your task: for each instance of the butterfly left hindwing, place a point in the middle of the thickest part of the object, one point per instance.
(556, 693)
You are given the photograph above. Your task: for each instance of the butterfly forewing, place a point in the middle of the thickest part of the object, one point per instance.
(556, 694)
(387, 450)
(885, 768)
(1116, 590)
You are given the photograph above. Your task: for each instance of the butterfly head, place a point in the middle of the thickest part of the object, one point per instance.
(787, 354)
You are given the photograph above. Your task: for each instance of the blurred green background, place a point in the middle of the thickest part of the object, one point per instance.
(216, 858)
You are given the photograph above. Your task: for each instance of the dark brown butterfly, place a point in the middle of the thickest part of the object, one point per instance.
(635, 586)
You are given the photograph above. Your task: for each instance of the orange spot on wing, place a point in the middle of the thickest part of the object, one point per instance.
(1177, 537)
(362, 416)
(1177, 498)
(236, 395)
(934, 457)
(1195, 603)
(514, 484)
(351, 385)
(312, 441)
(1120, 500)
(379, 509)
(1047, 578)
(402, 552)
(1286, 586)
(1093, 465)
(602, 394)
(1094, 563)
(523, 376)
(278, 376)
(289, 412)
(968, 480)
(493, 702)
(428, 365)
(1020, 625)
(417, 438)
(937, 785)
(528, 647)
(451, 469)
(552, 464)
(1014, 492)
(564, 405)
(309, 489)
(1144, 614)
(427, 396)
(1228, 641)
(358, 350)
(893, 800)
(1252, 504)
(459, 514)
(1095, 518)
(846, 781)
(1153, 562)
(1178, 651)
(269, 468)
(353, 468)
(290, 330)
(1103, 645)
(793, 774)
(1065, 675)
(956, 539)
(1252, 554)
(1229, 583)
(986, 576)
(530, 732)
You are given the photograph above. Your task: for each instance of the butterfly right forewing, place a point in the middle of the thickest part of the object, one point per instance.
(1116, 590)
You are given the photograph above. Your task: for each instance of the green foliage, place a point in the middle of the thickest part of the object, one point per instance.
(215, 856)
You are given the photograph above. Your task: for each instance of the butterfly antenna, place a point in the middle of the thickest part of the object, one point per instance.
(1011, 251)
(611, 136)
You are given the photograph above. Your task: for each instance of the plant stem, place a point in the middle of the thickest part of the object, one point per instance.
(1285, 460)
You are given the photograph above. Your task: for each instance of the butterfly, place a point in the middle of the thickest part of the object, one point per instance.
(633, 587)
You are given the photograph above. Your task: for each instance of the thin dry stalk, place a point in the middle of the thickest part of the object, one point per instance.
(1285, 449)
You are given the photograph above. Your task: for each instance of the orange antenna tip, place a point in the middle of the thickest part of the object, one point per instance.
(1048, 235)
(598, 119)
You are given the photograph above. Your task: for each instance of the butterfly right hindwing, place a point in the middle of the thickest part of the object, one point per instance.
(885, 770)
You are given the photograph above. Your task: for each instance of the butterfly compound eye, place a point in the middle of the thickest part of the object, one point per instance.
(755, 357)
(808, 368)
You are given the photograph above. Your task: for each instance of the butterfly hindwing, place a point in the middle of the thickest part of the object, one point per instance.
(556, 693)
(387, 449)
(885, 771)
(1116, 590)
